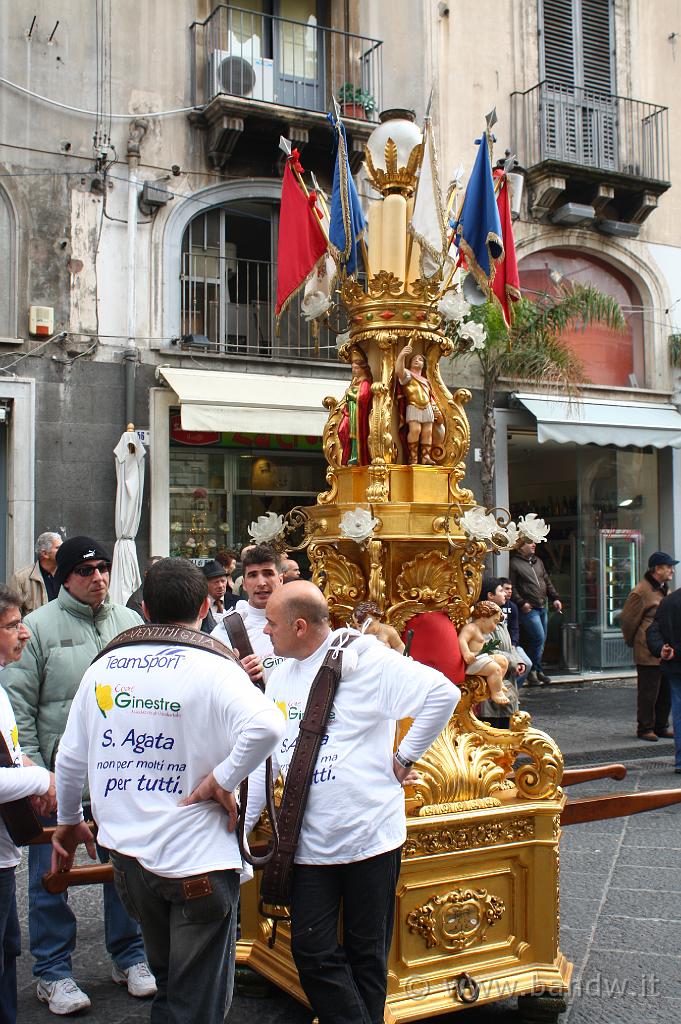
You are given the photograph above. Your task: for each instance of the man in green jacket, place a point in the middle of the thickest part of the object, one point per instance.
(66, 634)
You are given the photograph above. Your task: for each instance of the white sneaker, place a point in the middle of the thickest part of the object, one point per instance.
(62, 996)
(139, 979)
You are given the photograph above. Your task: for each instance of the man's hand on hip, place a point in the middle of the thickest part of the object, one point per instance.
(65, 841)
(209, 789)
(405, 776)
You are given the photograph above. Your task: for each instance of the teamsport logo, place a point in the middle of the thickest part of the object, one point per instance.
(169, 658)
(126, 700)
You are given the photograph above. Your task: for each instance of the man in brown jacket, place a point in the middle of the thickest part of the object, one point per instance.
(35, 584)
(654, 700)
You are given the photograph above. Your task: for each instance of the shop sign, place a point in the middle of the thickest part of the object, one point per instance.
(192, 437)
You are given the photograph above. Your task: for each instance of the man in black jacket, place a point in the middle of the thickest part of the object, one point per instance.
(664, 642)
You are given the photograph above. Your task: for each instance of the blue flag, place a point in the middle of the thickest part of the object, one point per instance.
(478, 228)
(346, 220)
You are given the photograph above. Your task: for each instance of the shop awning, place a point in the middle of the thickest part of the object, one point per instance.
(590, 422)
(253, 402)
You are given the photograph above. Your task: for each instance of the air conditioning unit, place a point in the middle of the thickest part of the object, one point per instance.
(241, 71)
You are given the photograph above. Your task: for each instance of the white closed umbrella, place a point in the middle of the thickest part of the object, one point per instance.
(125, 575)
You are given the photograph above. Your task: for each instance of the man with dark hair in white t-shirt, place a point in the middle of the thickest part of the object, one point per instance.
(354, 826)
(166, 732)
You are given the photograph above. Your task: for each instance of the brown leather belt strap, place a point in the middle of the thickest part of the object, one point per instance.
(236, 631)
(18, 815)
(152, 633)
(275, 886)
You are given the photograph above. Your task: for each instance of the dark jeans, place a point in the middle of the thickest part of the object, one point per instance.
(190, 942)
(346, 984)
(654, 700)
(10, 946)
(674, 679)
(533, 626)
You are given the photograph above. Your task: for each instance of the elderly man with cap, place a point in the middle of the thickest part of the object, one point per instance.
(220, 600)
(640, 607)
(66, 634)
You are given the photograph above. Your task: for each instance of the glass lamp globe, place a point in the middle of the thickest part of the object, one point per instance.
(397, 171)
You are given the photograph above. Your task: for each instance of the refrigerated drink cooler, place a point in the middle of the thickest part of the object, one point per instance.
(619, 571)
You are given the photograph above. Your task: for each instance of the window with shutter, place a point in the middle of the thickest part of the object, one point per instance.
(578, 110)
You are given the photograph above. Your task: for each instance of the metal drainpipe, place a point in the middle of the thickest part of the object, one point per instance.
(138, 129)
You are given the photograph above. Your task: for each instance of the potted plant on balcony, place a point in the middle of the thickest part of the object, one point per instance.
(355, 102)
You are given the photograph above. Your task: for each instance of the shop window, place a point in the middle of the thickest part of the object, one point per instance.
(221, 483)
(609, 357)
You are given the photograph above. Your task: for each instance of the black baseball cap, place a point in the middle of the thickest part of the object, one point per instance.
(661, 558)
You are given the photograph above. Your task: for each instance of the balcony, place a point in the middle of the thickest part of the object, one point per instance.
(257, 76)
(585, 149)
(230, 302)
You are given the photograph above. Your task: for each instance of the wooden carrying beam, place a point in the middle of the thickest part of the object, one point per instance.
(573, 776)
(597, 808)
(89, 874)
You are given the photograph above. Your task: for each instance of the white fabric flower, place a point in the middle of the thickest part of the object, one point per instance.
(452, 307)
(342, 339)
(475, 333)
(512, 535)
(315, 304)
(266, 528)
(479, 524)
(357, 525)
(533, 528)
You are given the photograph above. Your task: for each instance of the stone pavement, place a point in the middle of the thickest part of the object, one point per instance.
(620, 886)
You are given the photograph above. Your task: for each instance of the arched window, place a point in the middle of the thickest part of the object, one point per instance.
(228, 285)
(609, 358)
(8, 325)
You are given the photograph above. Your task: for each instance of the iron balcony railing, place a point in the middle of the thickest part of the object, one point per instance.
(275, 60)
(230, 301)
(591, 129)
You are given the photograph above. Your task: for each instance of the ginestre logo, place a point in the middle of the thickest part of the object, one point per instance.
(126, 700)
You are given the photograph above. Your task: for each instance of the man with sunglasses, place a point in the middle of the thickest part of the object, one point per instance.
(66, 634)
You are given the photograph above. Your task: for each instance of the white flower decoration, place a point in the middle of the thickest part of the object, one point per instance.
(479, 524)
(176, 527)
(533, 528)
(358, 525)
(267, 528)
(315, 304)
(342, 339)
(452, 306)
(512, 535)
(474, 332)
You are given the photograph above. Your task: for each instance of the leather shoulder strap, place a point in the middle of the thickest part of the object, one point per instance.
(151, 633)
(236, 631)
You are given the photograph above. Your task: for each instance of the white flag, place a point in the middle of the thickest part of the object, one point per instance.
(428, 225)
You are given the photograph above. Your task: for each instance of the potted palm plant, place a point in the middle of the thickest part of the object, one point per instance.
(355, 101)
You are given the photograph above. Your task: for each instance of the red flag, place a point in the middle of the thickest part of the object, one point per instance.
(301, 240)
(506, 284)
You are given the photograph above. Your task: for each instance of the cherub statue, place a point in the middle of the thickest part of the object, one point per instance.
(421, 412)
(366, 616)
(485, 617)
(353, 429)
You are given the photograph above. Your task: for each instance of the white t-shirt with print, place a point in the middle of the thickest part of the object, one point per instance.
(147, 724)
(355, 809)
(15, 782)
(255, 621)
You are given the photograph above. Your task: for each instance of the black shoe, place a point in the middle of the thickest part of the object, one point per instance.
(543, 678)
(533, 679)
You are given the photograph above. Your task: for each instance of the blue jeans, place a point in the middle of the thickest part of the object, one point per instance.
(346, 984)
(10, 947)
(533, 626)
(189, 928)
(675, 687)
(52, 923)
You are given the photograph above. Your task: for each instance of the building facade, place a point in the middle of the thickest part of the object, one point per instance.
(140, 176)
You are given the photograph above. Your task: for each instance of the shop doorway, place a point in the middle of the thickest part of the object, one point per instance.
(602, 504)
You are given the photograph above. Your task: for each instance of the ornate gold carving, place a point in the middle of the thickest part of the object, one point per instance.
(468, 837)
(470, 760)
(394, 178)
(341, 582)
(456, 919)
(376, 579)
(332, 448)
(434, 581)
